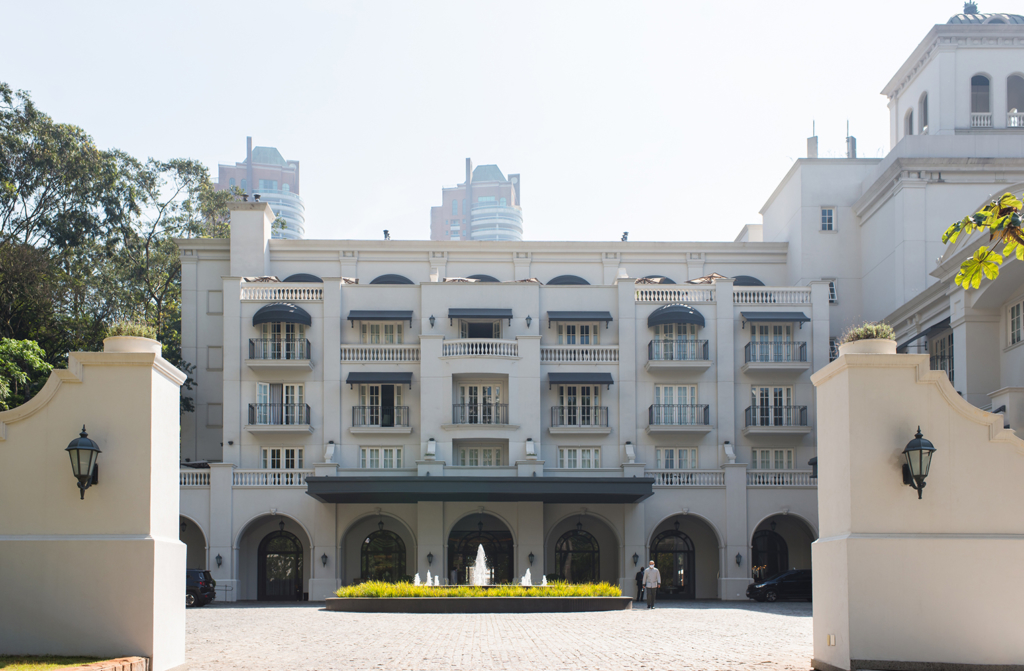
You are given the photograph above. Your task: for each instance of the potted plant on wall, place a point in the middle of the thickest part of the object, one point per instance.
(131, 337)
(869, 338)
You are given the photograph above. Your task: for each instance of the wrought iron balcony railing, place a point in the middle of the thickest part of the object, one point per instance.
(269, 349)
(380, 415)
(774, 352)
(679, 415)
(278, 414)
(579, 416)
(480, 413)
(776, 415)
(677, 350)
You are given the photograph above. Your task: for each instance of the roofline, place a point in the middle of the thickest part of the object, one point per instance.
(493, 245)
(800, 161)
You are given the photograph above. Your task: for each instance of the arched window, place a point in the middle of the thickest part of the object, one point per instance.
(674, 557)
(908, 123)
(578, 557)
(280, 568)
(1014, 101)
(922, 107)
(981, 110)
(382, 557)
(771, 555)
(244, 185)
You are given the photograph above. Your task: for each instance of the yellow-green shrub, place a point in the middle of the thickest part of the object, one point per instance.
(385, 590)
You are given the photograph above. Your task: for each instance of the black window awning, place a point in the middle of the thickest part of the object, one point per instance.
(411, 489)
(380, 316)
(580, 378)
(480, 313)
(675, 314)
(775, 317)
(928, 332)
(579, 316)
(281, 312)
(379, 378)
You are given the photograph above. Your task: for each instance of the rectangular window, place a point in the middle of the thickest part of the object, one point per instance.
(941, 351)
(833, 349)
(579, 334)
(579, 405)
(833, 295)
(772, 406)
(474, 329)
(676, 405)
(486, 199)
(772, 342)
(380, 457)
(579, 457)
(673, 458)
(486, 457)
(455, 207)
(1015, 323)
(382, 333)
(282, 341)
(828, 215)
(766, 460)
(268, 185)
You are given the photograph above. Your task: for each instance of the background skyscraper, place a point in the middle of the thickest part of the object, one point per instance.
(266, 172)
(484, 207)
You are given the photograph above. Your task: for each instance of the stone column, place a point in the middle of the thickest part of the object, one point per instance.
(735, 578)
(221, 539)
(430, 539)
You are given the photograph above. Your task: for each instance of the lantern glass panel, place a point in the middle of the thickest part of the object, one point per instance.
(926, 462)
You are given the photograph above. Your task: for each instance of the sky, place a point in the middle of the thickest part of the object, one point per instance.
(670, 120)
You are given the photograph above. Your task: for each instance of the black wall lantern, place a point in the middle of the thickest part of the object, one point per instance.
(739, 559)
(529, 319)
(531, 558)
(430, 558)
(324, 559)
(636, 558)
(220, 560)
(431, 321)
(83, 452)
(918, 454)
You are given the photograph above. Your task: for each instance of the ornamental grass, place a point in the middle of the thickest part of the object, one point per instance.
(869, 331)
(391, 590)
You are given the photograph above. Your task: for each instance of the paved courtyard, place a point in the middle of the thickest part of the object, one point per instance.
(703, 635)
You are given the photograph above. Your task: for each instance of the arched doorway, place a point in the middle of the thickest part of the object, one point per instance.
(578, 556)
(674, 556)
(194, 539)
(279, 567)
(464, 542)
(769, 554)
(382, 557)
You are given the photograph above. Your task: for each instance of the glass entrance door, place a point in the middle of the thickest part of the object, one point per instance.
(673, 555)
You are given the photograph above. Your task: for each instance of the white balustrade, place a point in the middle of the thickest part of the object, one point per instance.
(1015, 119)
(283, 292)
(685, 478)
(981, 119)
(191, 477)
(580, 354)
(374, 353)
(771, 295)
(675, 295)
(265, 477)
(757, 478)
(480, 347)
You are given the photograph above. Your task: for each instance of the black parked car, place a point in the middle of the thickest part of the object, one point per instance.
(795, 584)
(200, 587)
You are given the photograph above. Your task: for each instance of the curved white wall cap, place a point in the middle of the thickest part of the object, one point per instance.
(131, 344)
(868, 346)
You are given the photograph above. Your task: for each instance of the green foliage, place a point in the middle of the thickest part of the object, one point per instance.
(386, 590)
(1002, 219)
(134, 329)
(869, 331)
(41, 662)
(23, 371)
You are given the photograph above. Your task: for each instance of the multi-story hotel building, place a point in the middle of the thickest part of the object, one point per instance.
(484, 207)
(266, 172)
(375, 409)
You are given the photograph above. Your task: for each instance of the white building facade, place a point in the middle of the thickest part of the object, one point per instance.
(367, 411)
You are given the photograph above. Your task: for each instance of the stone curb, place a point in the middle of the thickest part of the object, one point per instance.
(480, 604)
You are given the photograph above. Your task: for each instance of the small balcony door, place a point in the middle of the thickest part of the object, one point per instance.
(772, 342)
(675, 404)
(485, 329)
(383, 333)
(578, 334)
(676, 341)
(772, 406)
(283, 341)
(479, 402)
(378, 402)
(577, 404)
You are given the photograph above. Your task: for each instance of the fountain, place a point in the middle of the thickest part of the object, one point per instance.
(543, 581)
(479, 576)
(527, 580)
(437, 581)
(429, 580)
(416, 580)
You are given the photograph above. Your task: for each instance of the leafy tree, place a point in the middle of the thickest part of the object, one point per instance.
(1002, 219)
(23, 371)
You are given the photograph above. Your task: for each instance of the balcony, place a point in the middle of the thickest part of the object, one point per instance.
(279, 418)
(265, 477)
(1015, 119)
(677, 354)
(380, 419)
(675, 295)
(685, 478)
(290, 355)
(981, 119)
(580, 354)
(775, 357)
(579, 419)
(942, 362)
(776, 420)
(781, 479)
(771, 296)
(194, 477)
(480, 347)
(287, 292)
(380, 353)
(692, 419)
(480, 416)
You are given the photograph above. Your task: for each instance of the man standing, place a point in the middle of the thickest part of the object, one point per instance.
(639, 583)
(652, 582)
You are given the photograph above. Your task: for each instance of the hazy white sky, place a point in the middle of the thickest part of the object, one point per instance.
(672, 120)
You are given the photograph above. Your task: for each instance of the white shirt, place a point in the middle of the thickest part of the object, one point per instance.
(652, 577)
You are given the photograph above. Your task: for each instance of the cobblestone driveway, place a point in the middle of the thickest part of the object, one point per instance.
(705, 635)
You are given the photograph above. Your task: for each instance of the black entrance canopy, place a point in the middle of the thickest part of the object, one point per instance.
(579, 316)
(675, 314)
(580, 378)
(379, 378)
(362, 489)
(281, 312)
(480, 313)
(380, 316)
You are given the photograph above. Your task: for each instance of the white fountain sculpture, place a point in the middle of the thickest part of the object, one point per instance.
(480, 578)
(429, 580)
(527, 580)
(543, 581)
(416, 580)
(437, 581)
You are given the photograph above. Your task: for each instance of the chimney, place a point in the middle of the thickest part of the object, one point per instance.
(851, 143)
(812, 143)
(515, 189)
(248, 165)
(467, 230)
(469, 171)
